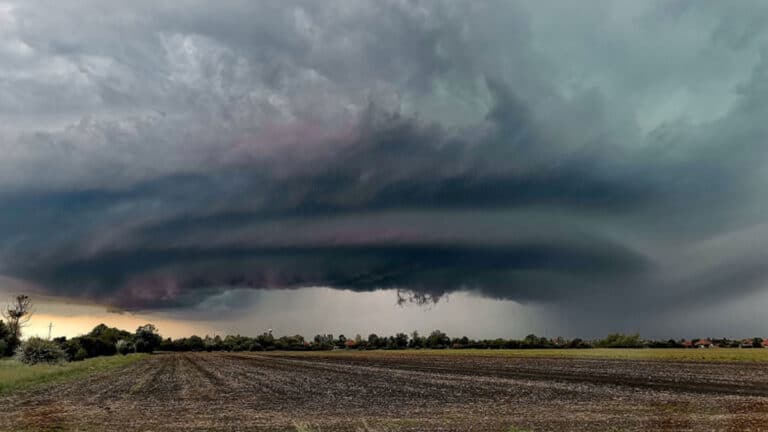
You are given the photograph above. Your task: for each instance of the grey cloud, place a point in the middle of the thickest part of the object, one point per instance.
(182, 277)
(348, 144)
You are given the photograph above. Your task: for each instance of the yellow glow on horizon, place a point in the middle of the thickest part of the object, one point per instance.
(76, 325)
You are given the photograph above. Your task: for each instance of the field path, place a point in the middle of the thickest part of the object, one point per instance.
(370, 392)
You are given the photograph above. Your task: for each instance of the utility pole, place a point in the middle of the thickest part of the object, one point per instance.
(50, 327)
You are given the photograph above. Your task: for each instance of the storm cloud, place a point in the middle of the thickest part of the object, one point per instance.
(157, 154)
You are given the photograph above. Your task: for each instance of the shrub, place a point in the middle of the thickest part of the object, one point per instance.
(72, 347)
(143, 347)
(124, 347)
(80, 355)
(36, 350)
(96, 347)
(11, 343)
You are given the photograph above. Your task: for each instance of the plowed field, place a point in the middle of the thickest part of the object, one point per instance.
(372, 392)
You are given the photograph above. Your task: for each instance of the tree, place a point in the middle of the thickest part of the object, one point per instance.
(618, 340)
(416, 340)
(373, 340)
(195, 343)
(147, 338)
(95, 346)
(18, 313)
(4, 334)
(4, 330)
(341, 342)
(109, 335)
(438, 339)
(401, 340)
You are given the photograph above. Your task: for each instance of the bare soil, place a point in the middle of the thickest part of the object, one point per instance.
(371, 392)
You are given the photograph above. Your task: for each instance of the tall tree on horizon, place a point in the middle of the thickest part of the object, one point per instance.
(17, 314)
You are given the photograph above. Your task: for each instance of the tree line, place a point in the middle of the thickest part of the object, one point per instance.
(434, 340)
(106, 341)
(101, 341)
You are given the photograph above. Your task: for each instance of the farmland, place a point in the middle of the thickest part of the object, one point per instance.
(667, 354)
(404, 390)
(16, 376)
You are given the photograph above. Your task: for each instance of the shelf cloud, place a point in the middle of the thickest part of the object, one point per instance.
(160, 154)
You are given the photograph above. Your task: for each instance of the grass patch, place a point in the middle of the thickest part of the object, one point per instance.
(16, 376)
(658, 354)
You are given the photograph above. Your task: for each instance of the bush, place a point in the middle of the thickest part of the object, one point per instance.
(11, 343)
(124, 347)
(71, 347)
(36, 350)
(96, 347)
(80, 355)
(143, 347)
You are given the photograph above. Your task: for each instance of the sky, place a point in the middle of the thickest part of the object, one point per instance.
(489, 168)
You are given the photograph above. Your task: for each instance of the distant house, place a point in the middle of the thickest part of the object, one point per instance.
(765, 343)
(687, 344)
(704, 343)
(350, 343)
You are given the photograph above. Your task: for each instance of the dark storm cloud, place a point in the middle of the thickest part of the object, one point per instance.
(541, 271)
(166, 153)
(544, 267)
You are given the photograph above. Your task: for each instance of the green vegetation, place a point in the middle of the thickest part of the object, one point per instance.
(108, 341)
(8, 342)
(101, 341)
(37, 350)
(16, 376)
(652, 354)
(16, 315)
(618, 340)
